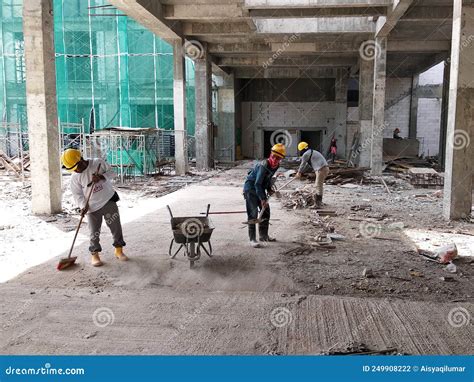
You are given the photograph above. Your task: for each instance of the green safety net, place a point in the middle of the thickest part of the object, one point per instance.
(107, 66)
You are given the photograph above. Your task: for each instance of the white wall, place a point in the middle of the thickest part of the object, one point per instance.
(428, 125)
(397, 114)
(259, 116)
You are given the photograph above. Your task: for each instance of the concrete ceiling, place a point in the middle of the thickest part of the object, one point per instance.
(302, 33)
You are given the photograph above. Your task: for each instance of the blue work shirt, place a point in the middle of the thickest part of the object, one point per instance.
(259, 179)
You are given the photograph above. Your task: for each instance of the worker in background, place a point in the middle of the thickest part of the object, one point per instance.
(312, 160)
(257, 188)
(396, 133)
(333, 149)
(103, 201)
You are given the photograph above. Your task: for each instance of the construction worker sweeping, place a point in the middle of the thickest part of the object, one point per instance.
(95, 173)
(313, 160)
(257, 189)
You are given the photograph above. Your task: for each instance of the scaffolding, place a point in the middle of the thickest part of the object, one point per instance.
(110, 72)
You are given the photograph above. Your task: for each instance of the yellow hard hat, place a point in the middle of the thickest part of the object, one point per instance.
(70, 159)
(302, 146)
(279, 150)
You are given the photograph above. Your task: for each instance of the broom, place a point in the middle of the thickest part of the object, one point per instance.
(68, 261)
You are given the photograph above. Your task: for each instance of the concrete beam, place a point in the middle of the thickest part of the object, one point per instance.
(150, 15)
(202, 11)
(459, 169)
(43, 129)
(324, 47)
(316, 25)
(261, 4)
(432, 13)
(305, 61)
(316, 12)
(378, 117)
(395, 13)
(203, 29)
(421, 46)
(295, 72)
(179, 106)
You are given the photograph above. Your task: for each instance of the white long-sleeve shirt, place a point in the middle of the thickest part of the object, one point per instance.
(313, 158)
(103, 190)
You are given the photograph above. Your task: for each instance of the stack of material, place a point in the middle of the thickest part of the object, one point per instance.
(425, 177)
(403, 164)
(342, 175)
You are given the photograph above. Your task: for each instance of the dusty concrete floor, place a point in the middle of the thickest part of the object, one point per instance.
(241, 301)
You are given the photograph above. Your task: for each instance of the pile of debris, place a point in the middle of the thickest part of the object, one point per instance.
(300, 198)
(15, 165)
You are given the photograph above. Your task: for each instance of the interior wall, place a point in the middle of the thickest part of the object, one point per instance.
(289, 105)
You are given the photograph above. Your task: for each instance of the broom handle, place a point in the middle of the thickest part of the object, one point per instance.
(82, 216)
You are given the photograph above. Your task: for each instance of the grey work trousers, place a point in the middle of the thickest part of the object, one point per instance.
(111, 215)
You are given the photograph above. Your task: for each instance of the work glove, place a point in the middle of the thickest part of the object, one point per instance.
(264, 203)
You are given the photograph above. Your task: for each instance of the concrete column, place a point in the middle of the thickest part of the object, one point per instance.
(444, 114)
(366, 91)
(460, 132)
(412, 128)
(204, 128)
(41, 106)
(225, 118)
(342, 77)
(179, 105)
(378, 117)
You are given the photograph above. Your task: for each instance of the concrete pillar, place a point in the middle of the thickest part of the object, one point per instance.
(444, 114)
(378, 117)
(179, 105)
(342, 77)
(460, 132)
(225, 118)
(412, 128)
(204, 128)
(41, 106)
(366, 91)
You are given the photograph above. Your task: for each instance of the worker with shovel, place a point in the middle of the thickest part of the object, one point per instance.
(313, 160)
(257, 189)
(94, 193)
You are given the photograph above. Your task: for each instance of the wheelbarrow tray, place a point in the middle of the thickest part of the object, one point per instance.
(203, 235)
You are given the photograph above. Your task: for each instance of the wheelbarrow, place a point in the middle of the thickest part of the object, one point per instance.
(192, 234)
